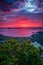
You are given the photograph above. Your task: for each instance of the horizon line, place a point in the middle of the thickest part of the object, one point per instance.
(21, 28)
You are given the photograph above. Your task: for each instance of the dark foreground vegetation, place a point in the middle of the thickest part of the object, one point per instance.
(13, 52)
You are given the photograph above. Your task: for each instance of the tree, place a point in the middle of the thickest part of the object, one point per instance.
(14, 53)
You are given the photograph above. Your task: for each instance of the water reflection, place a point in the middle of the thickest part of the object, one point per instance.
(19, 32)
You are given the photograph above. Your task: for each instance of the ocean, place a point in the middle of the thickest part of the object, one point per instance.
(19, 32)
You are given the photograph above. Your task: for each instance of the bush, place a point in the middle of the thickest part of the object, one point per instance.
(14, 53)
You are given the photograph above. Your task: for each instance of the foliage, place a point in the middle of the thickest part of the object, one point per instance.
(13, 52)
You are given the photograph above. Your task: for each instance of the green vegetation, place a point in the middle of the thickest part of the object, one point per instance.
(13, 52)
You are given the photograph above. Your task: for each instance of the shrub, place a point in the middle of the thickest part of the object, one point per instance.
(14, 53)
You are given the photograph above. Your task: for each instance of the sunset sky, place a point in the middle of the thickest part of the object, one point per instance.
(21, 13)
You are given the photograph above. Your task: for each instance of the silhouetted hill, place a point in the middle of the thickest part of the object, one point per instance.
(38, 37)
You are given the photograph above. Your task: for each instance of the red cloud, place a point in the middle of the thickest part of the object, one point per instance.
(21, 22)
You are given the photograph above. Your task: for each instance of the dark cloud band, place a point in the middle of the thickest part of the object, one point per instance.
(8, 4)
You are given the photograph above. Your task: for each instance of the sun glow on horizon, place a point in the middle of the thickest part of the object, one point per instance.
(24, 25)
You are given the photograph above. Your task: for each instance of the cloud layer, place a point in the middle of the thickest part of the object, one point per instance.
(6, 5)
(21, 12)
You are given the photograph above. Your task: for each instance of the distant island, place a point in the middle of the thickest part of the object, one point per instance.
(21, 28)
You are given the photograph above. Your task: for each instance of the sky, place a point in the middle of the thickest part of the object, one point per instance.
(21, 13)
